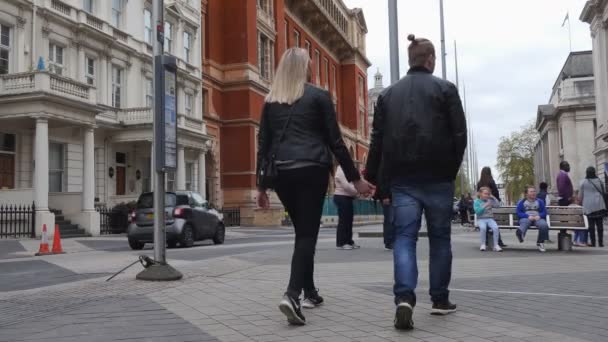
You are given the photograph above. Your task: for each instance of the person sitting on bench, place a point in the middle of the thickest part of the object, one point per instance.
(532, 212)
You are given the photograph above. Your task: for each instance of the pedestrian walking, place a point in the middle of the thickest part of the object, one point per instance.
(463, 208)
(565, 192)
(298, 134)
(344, 197)
(419, 136)
(543, 192)
(591, 195)
(486, 180)
(485, 217)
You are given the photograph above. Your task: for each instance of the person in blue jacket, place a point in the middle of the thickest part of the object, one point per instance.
(532, 212)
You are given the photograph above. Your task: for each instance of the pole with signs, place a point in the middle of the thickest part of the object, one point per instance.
(165, 145)
(393, 27)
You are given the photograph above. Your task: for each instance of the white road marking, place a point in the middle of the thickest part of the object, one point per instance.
(531, 293)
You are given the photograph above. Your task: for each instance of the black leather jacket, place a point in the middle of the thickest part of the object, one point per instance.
(313, 133)
(419, 130)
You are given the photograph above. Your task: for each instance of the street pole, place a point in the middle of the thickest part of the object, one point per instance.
(443, 54)
(462, 170)
(159, 270)
(393, 27)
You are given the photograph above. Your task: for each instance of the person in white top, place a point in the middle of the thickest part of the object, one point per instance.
(344, 197)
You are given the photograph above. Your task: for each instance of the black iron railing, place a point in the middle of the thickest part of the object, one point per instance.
(232, 217)
(17, 221)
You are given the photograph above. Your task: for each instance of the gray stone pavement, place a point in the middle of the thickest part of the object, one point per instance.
(229, 293)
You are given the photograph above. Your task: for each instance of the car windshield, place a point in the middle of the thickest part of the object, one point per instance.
(146, 201)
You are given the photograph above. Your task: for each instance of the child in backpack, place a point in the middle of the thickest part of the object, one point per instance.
(483, 206)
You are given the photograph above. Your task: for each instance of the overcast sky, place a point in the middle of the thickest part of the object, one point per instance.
(509, 54)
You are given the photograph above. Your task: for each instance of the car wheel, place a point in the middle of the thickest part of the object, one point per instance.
(172, 244)
(136, 245)
(220, 234)
(187, 239)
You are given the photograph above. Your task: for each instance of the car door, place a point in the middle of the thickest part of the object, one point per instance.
(206, 218)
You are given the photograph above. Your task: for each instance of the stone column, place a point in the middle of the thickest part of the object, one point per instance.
(202, 174)
(88, 188)
(20, 45)
(152, 166)
(41, 178)
(81, 65)
(89, 218)
(103, 80)
(41, 173)
(181, 168)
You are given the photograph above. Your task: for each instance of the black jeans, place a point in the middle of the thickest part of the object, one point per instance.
(346, 215)
(302, 192)
(388, 229)
(596, 222)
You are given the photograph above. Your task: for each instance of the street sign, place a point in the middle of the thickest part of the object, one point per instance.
(170, 120)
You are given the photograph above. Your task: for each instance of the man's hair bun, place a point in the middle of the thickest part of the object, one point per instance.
(411, 38)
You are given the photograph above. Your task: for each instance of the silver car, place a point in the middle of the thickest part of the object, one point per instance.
(188, 218)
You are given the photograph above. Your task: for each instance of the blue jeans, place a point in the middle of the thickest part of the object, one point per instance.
(484, 224)
(543, 229)
(581, 236)
(388, 230)
(409, 200)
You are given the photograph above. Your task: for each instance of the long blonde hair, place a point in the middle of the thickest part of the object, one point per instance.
(290, 77)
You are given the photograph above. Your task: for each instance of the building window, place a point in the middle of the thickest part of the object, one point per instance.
(90, 70)
(117, 83)
(7, 143)
(189, 174)
(264, 50)
(149, 93)
(187, 46)
(335, 79)
(362, 121)
(56, 167)
(188, 104)
(317, 67)
(5, 48)
(307, 47)
(168, 37)
(56, 59)
(170, 181)
(296, 38)
(361, 89)
(561, 138)
(147, 26)
(87, 5)
(595, 133)
(326, 73)
(117, 7)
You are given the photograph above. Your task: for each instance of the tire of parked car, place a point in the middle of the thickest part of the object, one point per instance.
(220, 234)
(136, 245)
(187, 238)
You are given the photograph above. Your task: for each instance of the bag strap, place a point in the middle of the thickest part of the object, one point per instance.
(596, 188)
(289, 115)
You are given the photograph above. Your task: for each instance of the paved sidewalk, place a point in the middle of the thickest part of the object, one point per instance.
(230, 293)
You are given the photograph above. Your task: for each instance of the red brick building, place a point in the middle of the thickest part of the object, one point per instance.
(243, 42)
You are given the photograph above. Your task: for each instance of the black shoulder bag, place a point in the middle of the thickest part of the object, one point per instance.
(268, 170)
(601, 213)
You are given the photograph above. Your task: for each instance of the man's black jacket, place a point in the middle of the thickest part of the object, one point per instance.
(419, 130)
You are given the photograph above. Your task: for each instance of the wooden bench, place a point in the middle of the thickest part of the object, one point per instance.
(561, 219)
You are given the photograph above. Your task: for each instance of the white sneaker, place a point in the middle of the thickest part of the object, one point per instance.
(345, 247)
(355, 246)
(541, 247)
(482, 248)
(497, 248)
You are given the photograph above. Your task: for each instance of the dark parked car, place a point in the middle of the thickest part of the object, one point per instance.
(188, 218)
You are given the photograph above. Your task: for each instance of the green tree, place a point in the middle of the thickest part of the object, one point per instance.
(458, 192)
(515, 160)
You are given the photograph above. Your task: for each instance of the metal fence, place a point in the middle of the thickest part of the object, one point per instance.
(113, 220)
(362, 207)
(17, 221)
(232, 217)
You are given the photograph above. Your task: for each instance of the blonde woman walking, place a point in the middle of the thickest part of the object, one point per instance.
(298, 135)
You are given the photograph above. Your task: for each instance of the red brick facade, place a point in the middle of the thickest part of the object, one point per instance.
(236, 79)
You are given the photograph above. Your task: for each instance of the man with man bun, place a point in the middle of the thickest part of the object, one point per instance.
(419, 135)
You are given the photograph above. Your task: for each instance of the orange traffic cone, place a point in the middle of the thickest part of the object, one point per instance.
(57, 242)
(44, 244)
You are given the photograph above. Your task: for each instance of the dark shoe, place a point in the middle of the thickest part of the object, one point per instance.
(519, 235)
(403, 316)
(290, 307)
(443, 308)
(388, 247)
(502, 244)
(312, 299)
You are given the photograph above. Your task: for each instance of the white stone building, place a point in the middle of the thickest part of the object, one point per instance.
(567, 124)
(373, 95)
(596, 14)
(75, 97)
